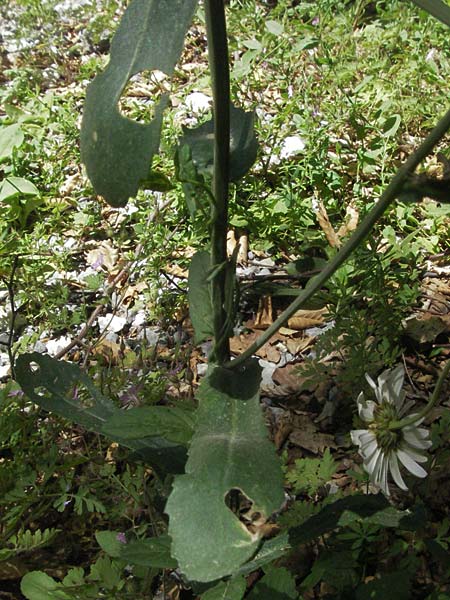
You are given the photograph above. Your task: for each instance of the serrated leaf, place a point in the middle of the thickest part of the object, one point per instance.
(277, 584)
(11, 187)
(53, 384)
(243, 144)
(37, 585)
(11, 137)
(172, 423)
(200, 306)
(310, 473)
(151, 552)
(230, 450)
(329, 518)
(437, 8)
(117, 151)
(233, 589)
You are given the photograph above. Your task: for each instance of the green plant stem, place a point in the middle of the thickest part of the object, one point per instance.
(388, 196)
(434, 399)
(438, 9)
(220, 78)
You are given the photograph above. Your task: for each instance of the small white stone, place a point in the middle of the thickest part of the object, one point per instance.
(55, 346)
(111, 323)
(198, 102)
(291, 146)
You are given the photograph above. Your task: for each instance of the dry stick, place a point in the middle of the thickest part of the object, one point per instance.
(79, 339)
(388, 196)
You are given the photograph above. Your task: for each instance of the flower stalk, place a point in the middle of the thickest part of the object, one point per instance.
(220, 80)
(386, 199)
(434, 399)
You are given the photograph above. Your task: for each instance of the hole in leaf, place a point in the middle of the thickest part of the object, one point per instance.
(142, 94)
(241, 506)
(34, 367)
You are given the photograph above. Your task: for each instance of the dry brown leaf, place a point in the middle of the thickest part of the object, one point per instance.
(350, 222)
(264, 316)
(231, 242)
(176, 271)
(303, 319)
(305, 435)
(425, 328)
(297, 345)
(327, 227)
(243, 249)
(240, 343)
(104, 256)
(289, 379)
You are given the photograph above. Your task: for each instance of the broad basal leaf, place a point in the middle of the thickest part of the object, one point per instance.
(172, 423)
(200, 307)
(63, 388)
(229, 451)
(117, 151)
(243, 144)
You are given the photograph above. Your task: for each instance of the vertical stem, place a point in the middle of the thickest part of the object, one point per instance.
(220, 77)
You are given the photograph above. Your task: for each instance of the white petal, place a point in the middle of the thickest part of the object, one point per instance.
(395, 471)
(355, 434)
(371, 463)
(380, 474)
(416, 441)
(366, 410)
(406, 408)
(367, 440)
(371, 382)
(396, 380)
(420, 432)
(414, 454)
(368, 449)
(418, 422)
(410, 464)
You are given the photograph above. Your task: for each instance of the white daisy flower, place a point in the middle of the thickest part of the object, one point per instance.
(383, 446)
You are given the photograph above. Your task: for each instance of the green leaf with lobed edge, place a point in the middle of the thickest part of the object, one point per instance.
(243, 144)
(63, 388)
(117, 151)
(230, 450)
